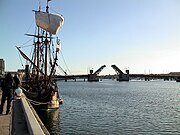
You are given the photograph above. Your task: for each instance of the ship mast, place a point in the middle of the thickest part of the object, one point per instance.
(38, 46)
(51, 24)
(46, 46)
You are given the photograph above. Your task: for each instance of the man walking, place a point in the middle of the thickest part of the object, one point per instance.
(7, 88)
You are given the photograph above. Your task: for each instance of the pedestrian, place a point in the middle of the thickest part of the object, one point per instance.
(16, 81)
(7, 92)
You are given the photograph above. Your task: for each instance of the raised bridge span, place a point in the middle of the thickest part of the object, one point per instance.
(120, 76)
(93, 76)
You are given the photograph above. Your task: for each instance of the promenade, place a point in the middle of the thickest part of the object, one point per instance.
(22, 119)
(13, 123)
(5, 121)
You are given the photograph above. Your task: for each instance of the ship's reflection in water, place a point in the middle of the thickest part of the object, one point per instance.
(51, 119)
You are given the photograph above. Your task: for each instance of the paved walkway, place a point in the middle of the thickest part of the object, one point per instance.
(5, 121)
(13, 123)
(19, 125)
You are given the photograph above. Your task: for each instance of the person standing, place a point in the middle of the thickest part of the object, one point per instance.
(17, 91)
(7, 92)
(16, 81)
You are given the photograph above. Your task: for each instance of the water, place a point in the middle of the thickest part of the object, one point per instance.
(111, 107)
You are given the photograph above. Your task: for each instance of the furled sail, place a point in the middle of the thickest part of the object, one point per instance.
(49, 22)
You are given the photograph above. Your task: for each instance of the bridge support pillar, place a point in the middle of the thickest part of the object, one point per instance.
(93, 78)
(147, 79)
(123, 77)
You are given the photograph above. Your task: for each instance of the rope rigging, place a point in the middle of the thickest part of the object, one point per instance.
(65, 63)
(51, 52)
(21, 60)
(59, 67)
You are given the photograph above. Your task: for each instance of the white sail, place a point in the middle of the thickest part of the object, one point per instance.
(49, 22)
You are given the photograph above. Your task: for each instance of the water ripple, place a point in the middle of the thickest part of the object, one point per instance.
(128, 108)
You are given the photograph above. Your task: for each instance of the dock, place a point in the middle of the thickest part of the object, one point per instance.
(22, 119)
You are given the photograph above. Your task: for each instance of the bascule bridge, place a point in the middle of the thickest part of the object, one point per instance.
(92, 77)
(120, 75)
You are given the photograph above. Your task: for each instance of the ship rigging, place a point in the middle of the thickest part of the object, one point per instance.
(39, 84)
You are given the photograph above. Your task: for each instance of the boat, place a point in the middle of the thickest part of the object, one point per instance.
(39, 82)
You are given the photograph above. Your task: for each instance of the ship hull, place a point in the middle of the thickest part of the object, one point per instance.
(47, 100)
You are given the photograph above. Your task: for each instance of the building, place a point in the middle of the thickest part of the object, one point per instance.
(2, 67)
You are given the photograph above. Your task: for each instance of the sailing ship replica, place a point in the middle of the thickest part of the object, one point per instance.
(39, 84)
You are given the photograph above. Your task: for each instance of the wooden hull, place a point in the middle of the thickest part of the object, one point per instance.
(43, 100)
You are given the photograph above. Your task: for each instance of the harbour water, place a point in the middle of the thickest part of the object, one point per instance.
(111, 107)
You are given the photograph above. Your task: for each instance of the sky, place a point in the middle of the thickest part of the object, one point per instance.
(140, 35)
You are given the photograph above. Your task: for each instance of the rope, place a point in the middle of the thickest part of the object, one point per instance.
(21, 60)
(30, 26)
(23, 45)
(35, 102)
(61, 69)
(54, 11)
(65, 63)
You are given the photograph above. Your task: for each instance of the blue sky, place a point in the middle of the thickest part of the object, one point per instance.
(142, 35)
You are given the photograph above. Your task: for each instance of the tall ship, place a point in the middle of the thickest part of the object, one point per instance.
(39, 82)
